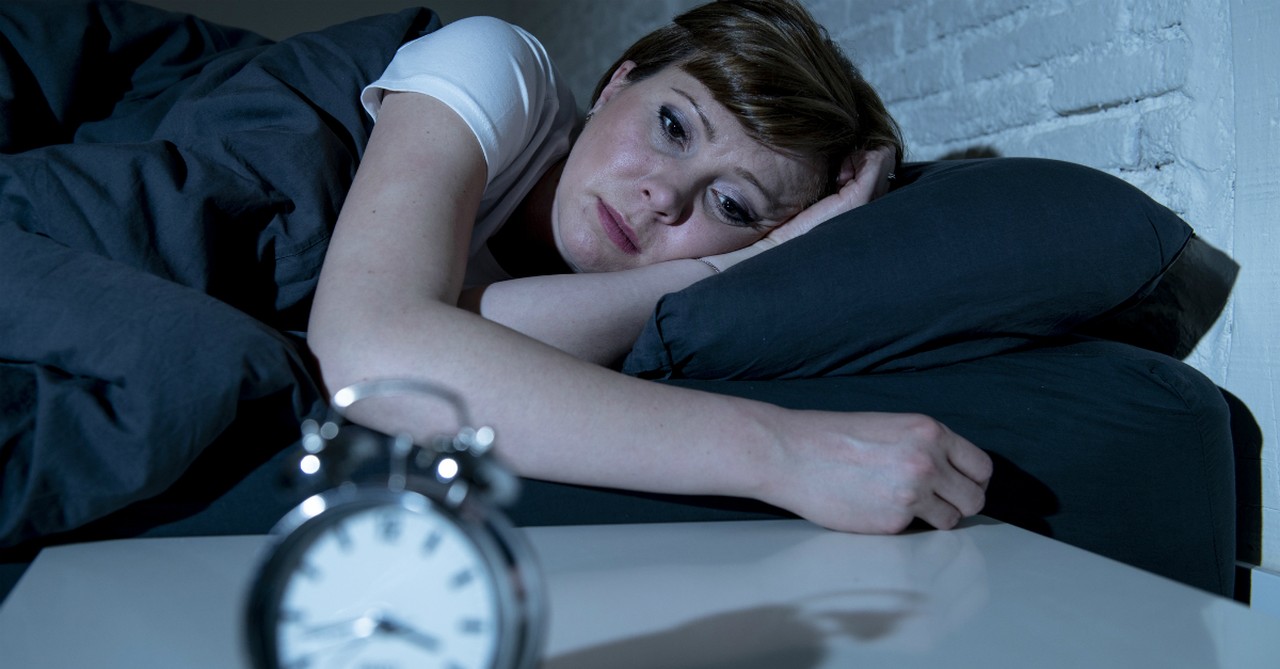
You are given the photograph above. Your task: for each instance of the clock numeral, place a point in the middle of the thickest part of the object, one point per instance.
(471, 626)
(432, 543)
(389, 527)
(292, 616)
(310, 571)
(343, 536)
(461, 579)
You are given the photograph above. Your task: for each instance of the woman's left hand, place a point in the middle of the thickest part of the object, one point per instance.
(864, 176)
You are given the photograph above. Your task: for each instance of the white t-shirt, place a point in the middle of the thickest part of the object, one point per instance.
(499, 79)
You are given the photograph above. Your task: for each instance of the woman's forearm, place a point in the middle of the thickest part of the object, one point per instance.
(557, 417)
(595, 317)
(562, 419)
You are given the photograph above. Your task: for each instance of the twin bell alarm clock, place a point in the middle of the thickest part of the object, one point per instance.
(399, 555)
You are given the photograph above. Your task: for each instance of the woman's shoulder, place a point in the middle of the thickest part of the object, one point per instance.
(481, 55)
(483, 25)
(477, 65)
(495, 75)
(480, 37)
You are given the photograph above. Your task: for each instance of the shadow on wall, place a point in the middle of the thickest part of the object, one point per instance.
(1247, 437)
(978, 151)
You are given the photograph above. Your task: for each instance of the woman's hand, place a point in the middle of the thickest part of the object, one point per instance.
(863, 177)
(876, 472)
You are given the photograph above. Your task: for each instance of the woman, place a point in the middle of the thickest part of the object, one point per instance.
(733, 130)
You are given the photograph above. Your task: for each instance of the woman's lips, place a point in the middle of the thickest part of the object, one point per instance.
(616, 229)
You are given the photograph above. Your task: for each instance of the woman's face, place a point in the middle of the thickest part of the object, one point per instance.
(663, 171)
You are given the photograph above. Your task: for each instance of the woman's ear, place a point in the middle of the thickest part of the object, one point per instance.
(617, 81)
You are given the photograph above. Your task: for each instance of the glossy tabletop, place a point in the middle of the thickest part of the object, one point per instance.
(746, 594)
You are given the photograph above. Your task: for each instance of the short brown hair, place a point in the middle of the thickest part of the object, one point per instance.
(778, 72)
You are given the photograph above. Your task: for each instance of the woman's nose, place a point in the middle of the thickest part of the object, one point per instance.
(667, 201)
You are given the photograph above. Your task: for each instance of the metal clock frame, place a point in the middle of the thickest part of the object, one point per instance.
(408, 479)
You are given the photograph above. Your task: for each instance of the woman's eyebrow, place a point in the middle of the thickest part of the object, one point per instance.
(706, 122)
(770, 198)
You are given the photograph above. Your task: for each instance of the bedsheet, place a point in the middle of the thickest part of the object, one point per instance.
(167, 188)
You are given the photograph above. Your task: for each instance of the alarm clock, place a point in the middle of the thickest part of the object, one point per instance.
(399, 555)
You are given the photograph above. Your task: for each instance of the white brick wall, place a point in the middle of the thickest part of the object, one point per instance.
(1139, 88)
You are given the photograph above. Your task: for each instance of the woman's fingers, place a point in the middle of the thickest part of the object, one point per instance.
(940, 513)
(954, 498)
(878, 167)
(966, 474)
(863, 177)
(974, 463)
(963, 493)
(954, 491)
(875, 472)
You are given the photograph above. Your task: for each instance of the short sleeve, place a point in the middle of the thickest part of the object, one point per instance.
(495, 75)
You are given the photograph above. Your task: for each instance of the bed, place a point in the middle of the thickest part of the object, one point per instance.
(166, 194)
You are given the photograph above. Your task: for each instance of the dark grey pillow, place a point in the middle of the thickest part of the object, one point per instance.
(963, 259)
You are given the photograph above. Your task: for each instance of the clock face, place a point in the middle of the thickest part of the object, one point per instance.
(388, 586)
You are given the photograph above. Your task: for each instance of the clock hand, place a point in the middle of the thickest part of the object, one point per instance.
(352, 636)
(360, 627)
(387, 623)
(330, 628)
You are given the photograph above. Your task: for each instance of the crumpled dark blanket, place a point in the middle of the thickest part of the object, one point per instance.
(167, 189)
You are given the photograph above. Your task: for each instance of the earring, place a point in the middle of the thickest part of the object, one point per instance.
(589, 115)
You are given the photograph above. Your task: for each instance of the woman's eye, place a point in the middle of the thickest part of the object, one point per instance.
(671, 126)
(733, 211)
